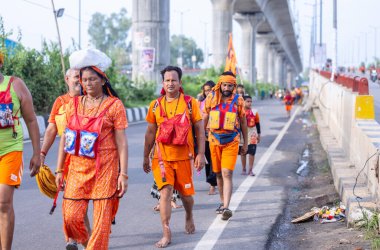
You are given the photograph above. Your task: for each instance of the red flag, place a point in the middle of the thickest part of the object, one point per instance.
(231, 57)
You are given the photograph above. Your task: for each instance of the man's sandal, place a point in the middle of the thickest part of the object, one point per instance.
(227, 213)
(219, 210)
(71, 246)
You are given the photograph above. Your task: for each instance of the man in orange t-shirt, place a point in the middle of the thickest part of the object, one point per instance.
(58, 110)
(172, 163)
(224, 110)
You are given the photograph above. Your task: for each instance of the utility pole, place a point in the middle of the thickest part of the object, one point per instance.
(181, 39)
(205, 45)
(335, 26)
(375, 34)
(320, 23)
(79, 23)
(59, 39)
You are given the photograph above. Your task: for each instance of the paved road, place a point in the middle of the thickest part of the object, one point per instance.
(259, 200)
(374, 89)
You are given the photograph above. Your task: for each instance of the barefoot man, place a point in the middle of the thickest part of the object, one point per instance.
(174, 150)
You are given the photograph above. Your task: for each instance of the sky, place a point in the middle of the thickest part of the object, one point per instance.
(356, 18)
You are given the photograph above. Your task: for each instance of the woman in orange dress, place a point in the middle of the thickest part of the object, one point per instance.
(288, 100)
(95, 137)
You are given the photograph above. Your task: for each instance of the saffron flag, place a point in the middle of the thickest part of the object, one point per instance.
(231, 57)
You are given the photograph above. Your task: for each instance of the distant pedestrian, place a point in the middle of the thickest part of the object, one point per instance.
(170, 118)
(210, 175)
(254, 131)
(240, 90)
(288, 101)
(226, 117)
(15, 101)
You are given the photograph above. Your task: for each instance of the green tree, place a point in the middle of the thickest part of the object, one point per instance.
(109, 34)
(189, 48)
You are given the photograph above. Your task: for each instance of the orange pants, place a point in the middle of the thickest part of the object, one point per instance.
(74, 212)
(11, 168)
(224, 156)
(288, 107)
(178, 174)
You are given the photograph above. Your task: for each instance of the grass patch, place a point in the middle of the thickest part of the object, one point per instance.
(371, 227)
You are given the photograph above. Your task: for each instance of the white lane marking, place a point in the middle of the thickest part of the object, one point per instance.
(213, 233)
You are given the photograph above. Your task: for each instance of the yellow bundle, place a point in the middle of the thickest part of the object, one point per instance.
(46, 182)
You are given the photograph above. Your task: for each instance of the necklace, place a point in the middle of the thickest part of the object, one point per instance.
(95, 98)
(175, 111)
(84, 104)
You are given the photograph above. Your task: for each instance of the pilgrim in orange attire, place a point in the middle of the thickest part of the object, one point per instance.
(169, 132)
(96, 141)
(15, 101)
(224, 112)
(288, 100)
(210, 175)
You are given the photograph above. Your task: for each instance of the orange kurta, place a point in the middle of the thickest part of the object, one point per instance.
(84, 183)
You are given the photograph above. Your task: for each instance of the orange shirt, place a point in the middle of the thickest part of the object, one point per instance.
(59, 102)
(240, 115)
(174, 152)
(82, 181)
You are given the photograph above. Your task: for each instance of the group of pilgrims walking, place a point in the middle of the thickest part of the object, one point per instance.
(184, 134)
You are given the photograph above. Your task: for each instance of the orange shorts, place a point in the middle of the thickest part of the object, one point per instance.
(288, 107)
(178, 174)
(11, 168)
(224, 156)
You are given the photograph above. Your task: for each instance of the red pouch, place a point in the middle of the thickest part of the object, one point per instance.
(181, 128)
(166, 132)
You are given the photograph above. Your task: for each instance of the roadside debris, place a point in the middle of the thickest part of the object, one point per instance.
(324, 214)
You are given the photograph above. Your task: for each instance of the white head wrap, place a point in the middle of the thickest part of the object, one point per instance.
(89, 57)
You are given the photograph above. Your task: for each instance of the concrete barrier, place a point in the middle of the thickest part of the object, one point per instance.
(352, 144)
(133, 115)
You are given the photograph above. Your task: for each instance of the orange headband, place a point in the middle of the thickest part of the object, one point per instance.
(102, 74)
(227, 78)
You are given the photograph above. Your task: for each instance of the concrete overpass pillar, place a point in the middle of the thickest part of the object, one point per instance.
(150, 39)
(262, 59)
(249, 24)
(271, 64)
(289, 81)
(284, 80)
(278, 69)
(221, 27)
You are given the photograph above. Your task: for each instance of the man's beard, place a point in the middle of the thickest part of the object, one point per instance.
(227, 93)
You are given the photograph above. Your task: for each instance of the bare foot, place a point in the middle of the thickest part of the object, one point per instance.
(212, 190)
(174, 205)
(164, 242)
(166, 238)
(156, 208)
(189, 227)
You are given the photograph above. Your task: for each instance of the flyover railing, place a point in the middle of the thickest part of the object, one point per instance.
(347, 110)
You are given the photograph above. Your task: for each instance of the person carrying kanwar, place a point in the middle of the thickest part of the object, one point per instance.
(170, 119)
(96, 141)
(210, 175)
(15, 101)
(288, 101)
(254, 135)
(224, 112)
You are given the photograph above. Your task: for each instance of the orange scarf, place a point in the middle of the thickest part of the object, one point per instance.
(102, 74)
(218, 95)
